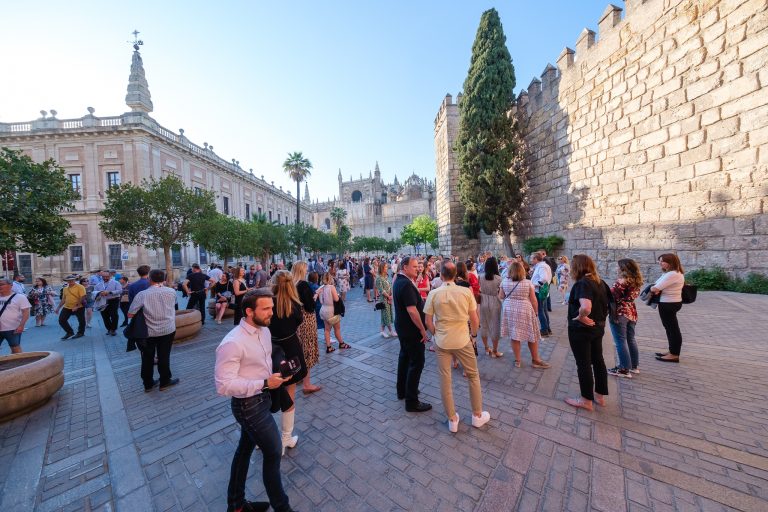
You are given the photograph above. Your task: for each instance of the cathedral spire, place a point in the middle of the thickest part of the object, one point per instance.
(138, 97)
(306, 193)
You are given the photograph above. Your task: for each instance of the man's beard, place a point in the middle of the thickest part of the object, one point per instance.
(261, 323)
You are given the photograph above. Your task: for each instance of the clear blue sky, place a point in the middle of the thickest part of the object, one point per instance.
(347, 83)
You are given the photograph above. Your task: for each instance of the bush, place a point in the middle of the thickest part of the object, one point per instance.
(549, 243)
(718, 279)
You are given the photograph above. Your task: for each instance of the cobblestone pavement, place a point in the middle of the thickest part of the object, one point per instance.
(692, 436)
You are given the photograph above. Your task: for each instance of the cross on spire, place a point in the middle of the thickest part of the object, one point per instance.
(136, 41)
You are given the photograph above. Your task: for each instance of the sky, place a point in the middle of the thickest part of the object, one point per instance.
(348, 83)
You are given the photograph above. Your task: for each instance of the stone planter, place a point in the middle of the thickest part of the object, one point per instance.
(212, 310)
(188, 324)
(28, 380)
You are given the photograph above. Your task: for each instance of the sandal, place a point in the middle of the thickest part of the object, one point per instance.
(343, 345)
(580, 403)
(496, 353)
(517, 363)
(489, 352)
(329, 349)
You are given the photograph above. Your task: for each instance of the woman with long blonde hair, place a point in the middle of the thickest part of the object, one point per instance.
(308, 328)
(587, 309)
(287, 316)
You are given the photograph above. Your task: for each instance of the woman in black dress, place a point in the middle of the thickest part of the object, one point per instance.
(587, 310)
(223, 292)
(239, 288)
(286, 319)
(368, 279)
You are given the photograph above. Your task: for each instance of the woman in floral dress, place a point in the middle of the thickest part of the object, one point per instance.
(519, 319)
(41, 297)
(563, 273)
(342, 280)
(384, 294)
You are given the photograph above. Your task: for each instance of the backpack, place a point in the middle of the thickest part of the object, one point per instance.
(689, 293)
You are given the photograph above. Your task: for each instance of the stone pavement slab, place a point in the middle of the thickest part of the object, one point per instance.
(691, 436)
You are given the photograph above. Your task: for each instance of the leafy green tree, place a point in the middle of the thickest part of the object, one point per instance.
(408, 237)
(158, 214)
(422, 230)
(489, 148)
(392, 246)
(298, 236)
(338, 216)
(298, 168)
(343, 237)
(33, 198)
(222, 235)
(265, 238)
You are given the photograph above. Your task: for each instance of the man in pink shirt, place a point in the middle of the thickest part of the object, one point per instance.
(244, 372)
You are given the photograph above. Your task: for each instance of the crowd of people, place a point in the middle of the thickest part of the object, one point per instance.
(433, 303)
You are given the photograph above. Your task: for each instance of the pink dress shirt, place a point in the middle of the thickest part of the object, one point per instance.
(243, 361)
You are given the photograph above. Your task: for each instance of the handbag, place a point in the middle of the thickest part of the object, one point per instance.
(338, 308)
(379, 306)
(335, 319)
(689, 293)
(543, 292)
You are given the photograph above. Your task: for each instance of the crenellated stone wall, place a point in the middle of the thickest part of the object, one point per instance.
(652, 136)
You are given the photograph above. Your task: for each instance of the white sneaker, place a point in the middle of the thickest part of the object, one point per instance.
(482, 420)
(289, 441)
(453, 426)
(384, 334)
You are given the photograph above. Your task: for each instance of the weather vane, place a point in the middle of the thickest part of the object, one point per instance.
(136, 41)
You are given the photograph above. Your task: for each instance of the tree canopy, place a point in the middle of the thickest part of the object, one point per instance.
(157, 214)
(222, 235)
(33, 197)
(489, 148)
(338, 216)
(422, 230)
(298, 168)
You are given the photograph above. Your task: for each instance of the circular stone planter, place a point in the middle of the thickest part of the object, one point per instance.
(188, 324)
(28, 380)
(228, 313)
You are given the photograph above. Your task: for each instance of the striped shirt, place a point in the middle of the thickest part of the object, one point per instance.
(114, 288)
(158, 303)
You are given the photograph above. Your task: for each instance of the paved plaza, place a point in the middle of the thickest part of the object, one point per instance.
(677, 437)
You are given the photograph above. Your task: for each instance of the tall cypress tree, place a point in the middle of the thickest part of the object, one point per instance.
(489, 148)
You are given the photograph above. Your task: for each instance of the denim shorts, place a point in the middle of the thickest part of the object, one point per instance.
(14, 339)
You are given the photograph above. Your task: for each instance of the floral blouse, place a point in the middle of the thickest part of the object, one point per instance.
(625, 296)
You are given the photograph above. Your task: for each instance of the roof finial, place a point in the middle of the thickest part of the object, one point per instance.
(306, 193)
(138, 97)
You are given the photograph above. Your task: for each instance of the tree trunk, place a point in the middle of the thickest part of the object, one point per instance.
(168, 264)
(505, 236)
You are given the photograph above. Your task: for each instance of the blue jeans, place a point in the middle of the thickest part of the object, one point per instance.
(14, 339)
(624, 338)
(257, 428)
(543, 315)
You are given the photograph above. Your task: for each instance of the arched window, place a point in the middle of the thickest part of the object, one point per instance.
(327, 223)
(357, 196)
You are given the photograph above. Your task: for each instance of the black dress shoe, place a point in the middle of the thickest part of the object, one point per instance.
(252, 506)
(659, 358)
(154, 383)
(419, 407)
(168, 384)
(78, 335)
(66, 337)
(401, 397)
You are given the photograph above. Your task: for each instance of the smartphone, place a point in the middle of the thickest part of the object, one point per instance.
(290, 367)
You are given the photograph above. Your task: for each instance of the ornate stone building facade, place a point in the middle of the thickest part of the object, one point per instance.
(375, 208)
(99, 152)
(652, 136)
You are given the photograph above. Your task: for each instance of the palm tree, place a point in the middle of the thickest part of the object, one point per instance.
(338, 215)
(297, 168)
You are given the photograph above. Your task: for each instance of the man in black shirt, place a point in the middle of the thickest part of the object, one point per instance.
(409, 322)
(194, 285)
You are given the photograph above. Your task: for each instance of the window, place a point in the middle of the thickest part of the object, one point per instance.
(113, 179)
(247, 211)
(270, 215)
(74, 180)
(226, 205)
(176, 256)
(357, 196)
(25, 265)
(259, 211)
(203, 255)
(389, 230)
(278, 218)
(327, 223)
(76, 258)
(198, 191)
(115, 253)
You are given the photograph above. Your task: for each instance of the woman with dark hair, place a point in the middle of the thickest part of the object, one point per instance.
(625, 290)
(284, 327)
(472, 279)
(490, 307)
(519, 318)
(587, 309)
(223, 293)
(239, 288)
(368, 279)
(669, 287)
(41, 298)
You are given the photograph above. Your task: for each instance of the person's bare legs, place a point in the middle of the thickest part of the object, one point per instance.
(337, 332)
(535, 359)
(221, 307)
(516, 350)
(485, 345)
(88, 316)
(327, 333)
(16, 350)
(307, 385)
(496, 352)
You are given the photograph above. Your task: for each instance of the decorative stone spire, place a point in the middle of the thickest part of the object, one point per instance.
(340, 178)
(376, 169)
(138, 97)
(396, 183)
(306, 193)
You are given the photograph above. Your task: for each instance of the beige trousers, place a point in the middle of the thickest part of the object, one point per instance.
(468, 360)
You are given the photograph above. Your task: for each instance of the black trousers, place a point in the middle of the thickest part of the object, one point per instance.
(668, 313)
(124, 308)
(410, 364)
(160, 345)
(110, 316)
(64, 320)
(587, 347)
(197, 301)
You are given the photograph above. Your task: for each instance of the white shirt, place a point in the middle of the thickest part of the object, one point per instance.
(541, 273)
(13, 313)
(243, 361)
(17, 287)
(159, 312)
(671, 286)
(215, 274)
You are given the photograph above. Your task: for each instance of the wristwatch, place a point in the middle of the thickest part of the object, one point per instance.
(266, 385)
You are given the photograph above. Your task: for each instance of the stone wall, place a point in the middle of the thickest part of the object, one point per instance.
(654, 137)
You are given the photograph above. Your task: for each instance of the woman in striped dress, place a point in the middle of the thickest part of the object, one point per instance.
(519, 319)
